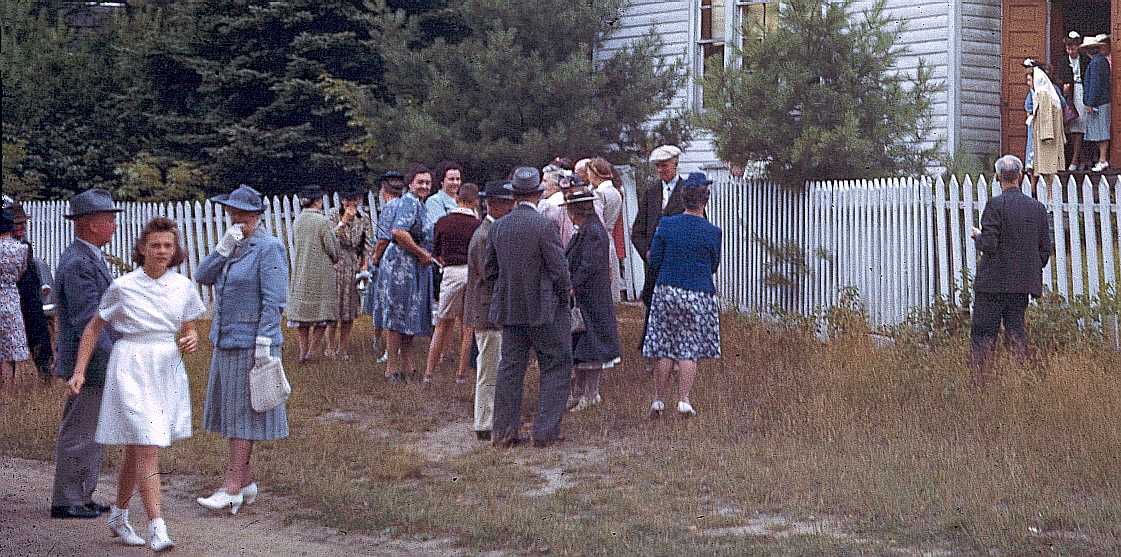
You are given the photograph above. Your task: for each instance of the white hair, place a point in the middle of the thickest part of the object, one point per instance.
(1009, 168)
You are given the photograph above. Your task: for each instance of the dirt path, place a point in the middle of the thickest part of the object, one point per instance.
(260, 529)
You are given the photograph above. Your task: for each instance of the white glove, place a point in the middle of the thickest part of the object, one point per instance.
(262, 354)
(229, 241)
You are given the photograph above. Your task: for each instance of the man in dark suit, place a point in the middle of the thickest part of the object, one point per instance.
(1015, 244)
(82, 277)
(662, 198)
(527, 266)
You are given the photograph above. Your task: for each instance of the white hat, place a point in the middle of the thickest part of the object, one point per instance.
(1096, 40)
(664, 153)
(1074, 35)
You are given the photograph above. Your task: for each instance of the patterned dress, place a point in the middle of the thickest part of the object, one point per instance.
(405, 288)
(13, 337)
(384, 231)
(354, 240)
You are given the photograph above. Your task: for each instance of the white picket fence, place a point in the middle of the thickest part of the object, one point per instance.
(900, 242)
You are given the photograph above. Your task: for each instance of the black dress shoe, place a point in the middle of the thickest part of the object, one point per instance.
(101, 509)
(483, 435)
(543, 443)
(74, 511)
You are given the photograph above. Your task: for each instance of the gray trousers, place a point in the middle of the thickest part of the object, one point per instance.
(552, 343)
(77, 457)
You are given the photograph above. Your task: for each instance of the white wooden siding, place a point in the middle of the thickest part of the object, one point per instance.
(979, 69)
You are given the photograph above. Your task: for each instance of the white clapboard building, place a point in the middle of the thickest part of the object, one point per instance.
(974, 48)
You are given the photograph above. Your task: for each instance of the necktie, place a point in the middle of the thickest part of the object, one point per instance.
(667, 190)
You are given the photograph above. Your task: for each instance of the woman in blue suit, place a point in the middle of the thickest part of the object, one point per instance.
(249, 272)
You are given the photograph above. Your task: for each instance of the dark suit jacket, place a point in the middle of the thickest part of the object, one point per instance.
(479, 289)
(587, 262)
(81, 280)
(650, 211)
(30, 288)
(1015, 243)
(1063, 74)
(528, 268)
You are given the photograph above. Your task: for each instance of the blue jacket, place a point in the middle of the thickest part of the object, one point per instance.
(1095, 84)
(250, 291)
(81, 280)
(685, 252)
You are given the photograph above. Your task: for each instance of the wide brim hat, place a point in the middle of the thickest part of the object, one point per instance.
(244, 198)
(580, 195)
(696, 180)
(665, 153)
(526, 180)
(1096, 40)
(91, 202)
(497, 189)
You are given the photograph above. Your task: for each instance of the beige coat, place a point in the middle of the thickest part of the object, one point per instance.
(313, 292)
(1048, 139)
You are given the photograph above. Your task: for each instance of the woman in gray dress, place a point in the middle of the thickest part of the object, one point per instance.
(313, 301)
(249, 272)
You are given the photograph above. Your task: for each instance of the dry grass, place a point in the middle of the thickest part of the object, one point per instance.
(873, 451)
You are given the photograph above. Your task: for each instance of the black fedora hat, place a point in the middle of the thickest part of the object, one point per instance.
(497, 189)
(244, 198)
(90, 202)
(578, 195)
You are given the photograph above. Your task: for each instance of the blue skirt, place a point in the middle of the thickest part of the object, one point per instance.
(227, 410)
(1097, 124)
(684, 325)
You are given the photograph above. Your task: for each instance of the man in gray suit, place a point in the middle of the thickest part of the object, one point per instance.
(527, 265)
(82, 278)
(1015, 244)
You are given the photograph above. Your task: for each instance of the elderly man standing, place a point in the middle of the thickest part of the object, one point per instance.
(82, 277)
(661, 198)
(1015, 244)
(499, 196)
(527, 265)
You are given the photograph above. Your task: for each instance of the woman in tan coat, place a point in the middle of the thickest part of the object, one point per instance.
(313, 300)
(1046, 121)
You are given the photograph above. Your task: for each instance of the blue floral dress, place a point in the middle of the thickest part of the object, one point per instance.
(383, 230)
(404, 287)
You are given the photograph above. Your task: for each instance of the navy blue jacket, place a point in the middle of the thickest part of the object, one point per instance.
(1095, 84)
(591, 279)
(686, 252)
(81, 280)
(250, 291)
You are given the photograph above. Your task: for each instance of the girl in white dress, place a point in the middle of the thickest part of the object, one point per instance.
(146, 403)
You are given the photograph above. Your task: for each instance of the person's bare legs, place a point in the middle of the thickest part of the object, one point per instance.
(464, 351)
(148, 476)
(393, 344)
(662, 369)
(436, 347)
(342, 348)
(407, 354)
(330, 347)
(237, 471)
(302, 337)
(591, 384)
(686, 375)
(1103, 151)
(126, 481)
(314, 338)
(1075, 149)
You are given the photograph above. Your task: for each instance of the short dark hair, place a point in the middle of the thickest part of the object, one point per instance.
(159, 224)
(442, 171)
(468, 192)
(695, 198)
(416, 168)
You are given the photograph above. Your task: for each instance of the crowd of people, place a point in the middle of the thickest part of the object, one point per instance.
(1069, 103)
(523, 267)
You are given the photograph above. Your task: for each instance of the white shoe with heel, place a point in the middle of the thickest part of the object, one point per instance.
(221, 500)
(157, 532)
(120, 528)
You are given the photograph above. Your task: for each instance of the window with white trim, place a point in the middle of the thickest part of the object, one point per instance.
(724, 23)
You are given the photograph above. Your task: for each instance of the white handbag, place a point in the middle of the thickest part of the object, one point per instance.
(268, 386)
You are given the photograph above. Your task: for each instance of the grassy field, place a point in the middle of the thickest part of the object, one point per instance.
(799, 449)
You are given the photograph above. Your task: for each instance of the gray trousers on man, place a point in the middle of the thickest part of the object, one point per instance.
(552, 343)
(77, 456)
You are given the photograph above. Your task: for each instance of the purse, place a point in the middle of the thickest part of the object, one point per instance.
(1070, 113)
(578, 324)
(268, 386)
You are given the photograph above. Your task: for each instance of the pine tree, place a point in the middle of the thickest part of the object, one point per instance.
(254, 109)
(818, 98)
(519, 87)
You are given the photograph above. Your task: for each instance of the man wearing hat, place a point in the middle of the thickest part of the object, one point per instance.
(31, 292)
(499, 196)
(530, 302)
(82, 277)
(661, 198)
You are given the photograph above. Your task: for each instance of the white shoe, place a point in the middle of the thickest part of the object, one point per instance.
(656, 409)
(384, 358)
(1072, 168)
(685, 409)
(597, 401)
(249, 493)
(220, 500)
(1099, 167)
(157, 532)
(120, 528)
